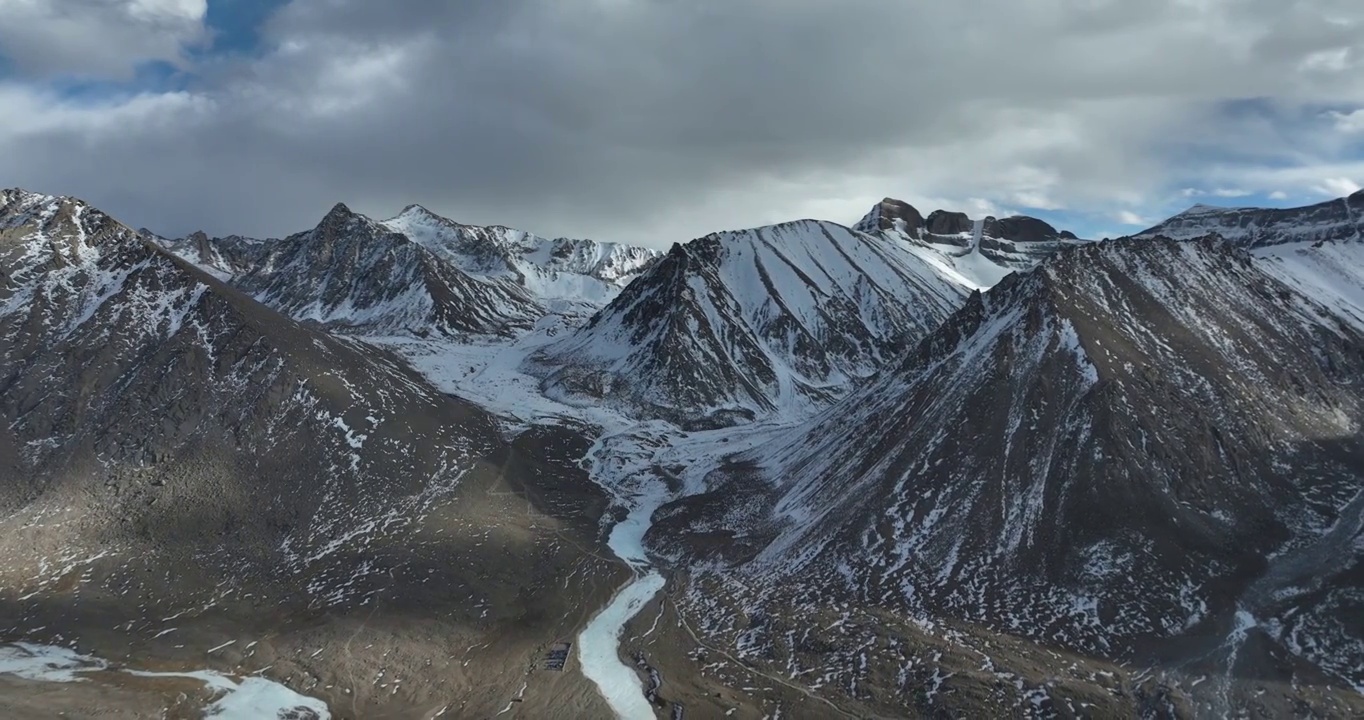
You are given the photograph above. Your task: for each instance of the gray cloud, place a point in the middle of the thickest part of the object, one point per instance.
(658, 120)
(97, 38)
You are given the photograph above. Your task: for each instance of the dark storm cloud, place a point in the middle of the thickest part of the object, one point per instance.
(656, 120)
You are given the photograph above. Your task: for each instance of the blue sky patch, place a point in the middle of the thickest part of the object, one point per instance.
(236, 24)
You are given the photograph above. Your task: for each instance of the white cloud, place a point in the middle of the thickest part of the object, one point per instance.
(97, 38)
(1218, 192)
(1278, 195)
(1127, 217)
(1034, 199)
(1337, 186)
(1351, 122)
(1334, 60)
(1311, 178)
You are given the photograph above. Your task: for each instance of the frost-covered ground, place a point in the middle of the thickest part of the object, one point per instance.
(248, 698)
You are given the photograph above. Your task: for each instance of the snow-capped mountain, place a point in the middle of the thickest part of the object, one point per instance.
(1336, 220)
(419, 273)
(980, 252)
(356, 275)
(1148, 451)
(563, 273)
(741, 324)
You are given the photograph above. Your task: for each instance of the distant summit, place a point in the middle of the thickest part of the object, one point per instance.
(1336, 220)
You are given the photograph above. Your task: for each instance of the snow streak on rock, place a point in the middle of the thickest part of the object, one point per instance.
(739, 325)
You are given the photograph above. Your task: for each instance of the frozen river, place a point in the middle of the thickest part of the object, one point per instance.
(599, 642)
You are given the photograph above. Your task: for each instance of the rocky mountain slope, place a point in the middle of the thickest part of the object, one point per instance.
(418, 273)
(1318, 249)
(1148, 451)
(184, 469)
(981, 252)
(737, 325)
(1332, 221)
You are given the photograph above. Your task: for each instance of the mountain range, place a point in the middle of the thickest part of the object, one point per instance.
(919, 466)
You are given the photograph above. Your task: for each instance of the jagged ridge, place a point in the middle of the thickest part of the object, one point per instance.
(1332, 221)
(737, 325)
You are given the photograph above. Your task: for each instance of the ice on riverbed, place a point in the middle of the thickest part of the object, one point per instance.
(599, 649)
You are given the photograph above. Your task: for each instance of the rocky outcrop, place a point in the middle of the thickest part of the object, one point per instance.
(942, 222)
(982, 251)
(892, 215)
(1021, 229)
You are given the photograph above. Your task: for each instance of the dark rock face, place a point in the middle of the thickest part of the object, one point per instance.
(223, 257)
(1131, 451)
(1021, 228)
(732, 326)
(1337, 220)
(942, 222)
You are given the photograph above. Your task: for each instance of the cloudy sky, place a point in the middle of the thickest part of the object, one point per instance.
(652, 121)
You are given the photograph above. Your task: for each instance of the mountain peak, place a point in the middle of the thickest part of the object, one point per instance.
(1204, 208)
(339, 218)
(416, 210)
(891, 214)
(339, 210)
